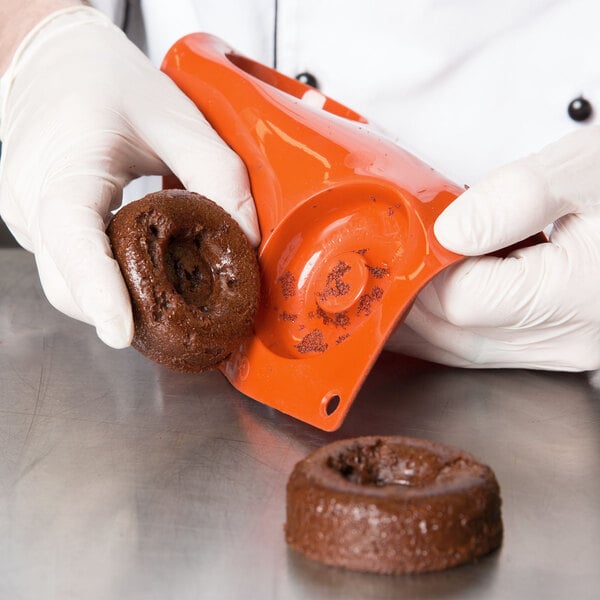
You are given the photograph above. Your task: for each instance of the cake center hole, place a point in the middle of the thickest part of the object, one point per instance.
(382, 464)
(189, 273)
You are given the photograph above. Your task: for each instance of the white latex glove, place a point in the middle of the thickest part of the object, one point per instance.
(538, 308)
(82, 113)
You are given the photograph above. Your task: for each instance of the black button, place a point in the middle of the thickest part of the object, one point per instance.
(580, 109)
(308, 79)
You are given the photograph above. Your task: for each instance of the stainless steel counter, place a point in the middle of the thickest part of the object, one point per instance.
(122, 480)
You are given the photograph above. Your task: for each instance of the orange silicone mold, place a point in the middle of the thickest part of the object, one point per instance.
(346, 218)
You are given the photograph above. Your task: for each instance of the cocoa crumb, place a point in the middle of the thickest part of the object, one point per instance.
(324, 316)
(340, 319)
(312, 342)
(335, 284)
(364, 305)
(288, 284)
(376, 293)
(378, 272)
(366, 300)
(286, 316)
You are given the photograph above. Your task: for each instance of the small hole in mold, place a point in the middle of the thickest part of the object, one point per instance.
(331, 404)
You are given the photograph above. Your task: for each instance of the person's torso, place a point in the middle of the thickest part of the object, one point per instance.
(465, 85)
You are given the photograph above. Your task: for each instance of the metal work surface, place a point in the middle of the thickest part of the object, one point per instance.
(123, 480)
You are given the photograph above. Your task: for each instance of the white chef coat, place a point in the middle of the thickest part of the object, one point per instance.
(466, 85)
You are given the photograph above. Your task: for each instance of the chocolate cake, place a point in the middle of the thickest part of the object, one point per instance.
(392, 505)
(192, 276)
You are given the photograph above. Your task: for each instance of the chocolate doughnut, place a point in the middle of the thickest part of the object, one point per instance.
(192, 277)
(392, 505)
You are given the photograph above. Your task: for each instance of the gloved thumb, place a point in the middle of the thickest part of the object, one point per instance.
(182, 138)
(511, 204)
(78, 274)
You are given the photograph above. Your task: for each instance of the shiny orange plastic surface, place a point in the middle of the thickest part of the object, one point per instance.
(346, 218)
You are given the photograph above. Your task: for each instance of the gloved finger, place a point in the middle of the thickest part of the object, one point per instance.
(185, 141)
(77, 271)
(429, 337)
(508, 206)
(13, 213)
(424, 335)
(515, 311)
(113, 330)
(519, 291)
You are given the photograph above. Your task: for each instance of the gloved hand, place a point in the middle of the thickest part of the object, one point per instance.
(82, 113)
(538, 307)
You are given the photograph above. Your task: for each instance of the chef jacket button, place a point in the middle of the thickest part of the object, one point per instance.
(308, 79)
(580, 109)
